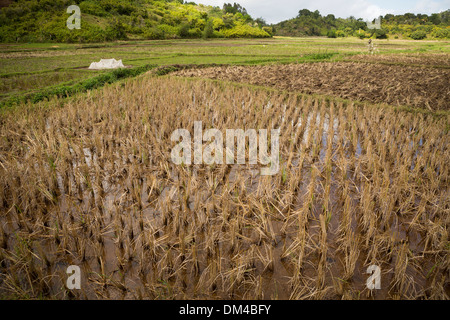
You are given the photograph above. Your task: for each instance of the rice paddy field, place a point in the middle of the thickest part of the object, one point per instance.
(363, 179)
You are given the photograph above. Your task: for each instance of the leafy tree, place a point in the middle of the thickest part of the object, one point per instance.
(233, 9)
(208, 32)
(218, 24)
(228, 20)
(183, 31)
(304, 13)
(261, 22)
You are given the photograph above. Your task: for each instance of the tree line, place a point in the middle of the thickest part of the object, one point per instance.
(408, 25)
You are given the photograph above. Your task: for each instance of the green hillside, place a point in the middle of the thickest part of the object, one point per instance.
(107, 20)
(406, 26)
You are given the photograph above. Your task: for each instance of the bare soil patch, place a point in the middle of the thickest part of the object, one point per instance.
(396, 85)
(436, 60)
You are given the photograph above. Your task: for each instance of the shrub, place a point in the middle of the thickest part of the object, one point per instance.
(441, 33)
(169, 31)
(361, 34)
(331, 33)
(219, 34)
(380, 34)
(183, 30)
(269, 30)
(245, 31)
(153, 34)
(194, 33)
(340, 33)
(418, 35)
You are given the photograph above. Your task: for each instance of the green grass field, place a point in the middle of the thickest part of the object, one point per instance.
(29, 69)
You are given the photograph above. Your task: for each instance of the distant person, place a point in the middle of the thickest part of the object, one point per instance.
(370, 45)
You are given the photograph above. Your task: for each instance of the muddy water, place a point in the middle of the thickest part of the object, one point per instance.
(275, 283)
(111, 217)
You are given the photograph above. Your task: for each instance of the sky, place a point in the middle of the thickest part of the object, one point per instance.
(274, 11)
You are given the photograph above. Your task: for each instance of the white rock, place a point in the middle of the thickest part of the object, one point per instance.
(106, 64)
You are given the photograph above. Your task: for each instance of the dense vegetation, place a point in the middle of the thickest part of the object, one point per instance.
(106, 20)
(408, 25)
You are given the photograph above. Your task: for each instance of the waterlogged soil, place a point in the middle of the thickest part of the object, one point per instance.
(92, 184)
(418, 87)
